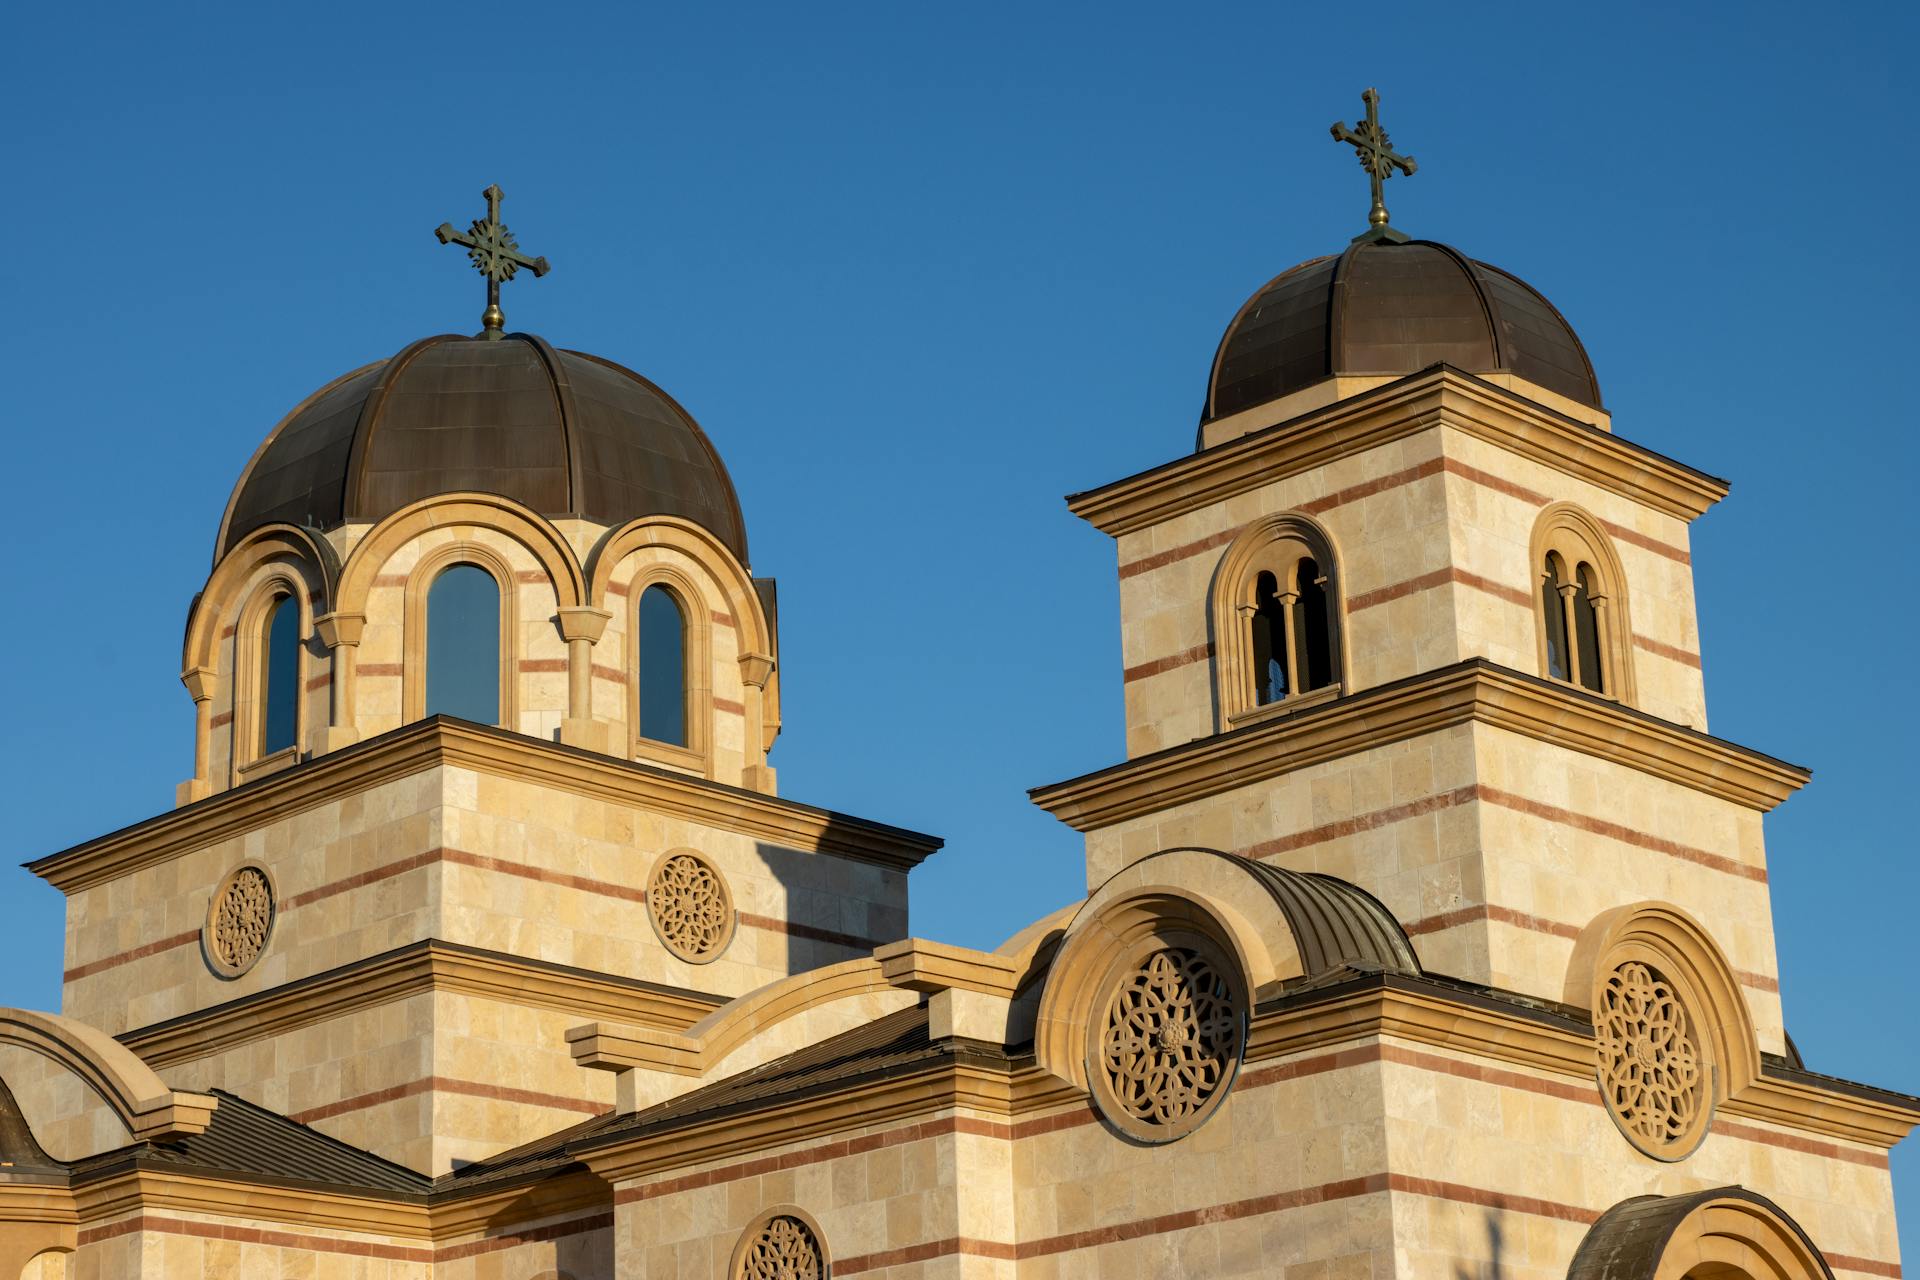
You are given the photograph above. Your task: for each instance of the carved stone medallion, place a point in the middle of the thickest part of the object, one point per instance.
(691, 907)
(1653, 1070)
(239, 921)
(1164, 1054)
(783, 1247)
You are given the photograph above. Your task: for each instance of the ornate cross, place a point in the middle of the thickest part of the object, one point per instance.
(495, 255)
(1379, 159)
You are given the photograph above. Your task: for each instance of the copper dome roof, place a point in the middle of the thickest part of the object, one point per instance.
(561, 432)
(1386, 308)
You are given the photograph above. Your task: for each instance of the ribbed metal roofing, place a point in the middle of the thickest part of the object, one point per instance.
(562, 432)
(1393, 309)
(1629, 1240)
(1337, 924)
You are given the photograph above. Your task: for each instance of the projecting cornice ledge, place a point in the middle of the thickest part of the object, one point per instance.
(1472, 691)
(443, 741)
(1440, 396)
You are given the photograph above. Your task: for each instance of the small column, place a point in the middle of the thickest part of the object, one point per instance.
(582, 628)
(1287, 599)
(1566, 590)
(1600, 634)
(756, 671)
(340, 632)
(201, 683)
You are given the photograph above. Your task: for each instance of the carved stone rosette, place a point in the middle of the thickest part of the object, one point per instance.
(781, 1246)
(1654, 1074)
(690, 906)
(239, 921)
(1164, 1054)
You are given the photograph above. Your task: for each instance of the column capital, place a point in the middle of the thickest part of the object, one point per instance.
(756, 669)
(336, 629)
(582, 623)
(201, 682)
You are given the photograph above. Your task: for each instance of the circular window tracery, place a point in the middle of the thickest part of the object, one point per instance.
(1164, 1052)
(239, 921)
(690, 906)
(1654, 1072)
(782, 1247)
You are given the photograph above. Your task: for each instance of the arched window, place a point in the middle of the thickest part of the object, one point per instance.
(279, 692)
(463, 644)
(662, 646)
(1275, 618)
(1583, 620)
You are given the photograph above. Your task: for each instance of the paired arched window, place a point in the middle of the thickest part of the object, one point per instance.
(661, 631)
(1276, 623)
(463, 644)
(279, 691)
(1581, 605)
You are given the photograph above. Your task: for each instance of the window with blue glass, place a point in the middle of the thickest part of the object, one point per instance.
(662, 645)
(279, 675)
(463, 645)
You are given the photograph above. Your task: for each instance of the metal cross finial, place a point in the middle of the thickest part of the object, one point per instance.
(495, 255)
(1379, 159)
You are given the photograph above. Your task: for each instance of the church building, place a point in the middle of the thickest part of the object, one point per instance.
(1427, 930)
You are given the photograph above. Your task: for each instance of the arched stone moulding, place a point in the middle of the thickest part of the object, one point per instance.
(707, 567)
(420, 580)
(138, 1098)
(1723, 1233)
(1272, 543)
(304, 564)
(744, 1265)
(1575, 535)
(1666, 939)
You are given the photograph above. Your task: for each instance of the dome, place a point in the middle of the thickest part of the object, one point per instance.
(561, 432)
(1393, 308)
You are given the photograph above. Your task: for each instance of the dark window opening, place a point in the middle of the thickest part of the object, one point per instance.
(663, 668)
(1586, 627)
(1269, 642)
(280, 676)
(1554, 610)
(463, 645)
(1313, 629)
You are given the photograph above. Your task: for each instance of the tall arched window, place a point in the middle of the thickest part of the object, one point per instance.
(1275, 618)
(463, 644)
(279, 675)
(1583, 624)
(662, 632)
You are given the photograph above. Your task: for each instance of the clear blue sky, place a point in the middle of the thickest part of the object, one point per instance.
(920, 270)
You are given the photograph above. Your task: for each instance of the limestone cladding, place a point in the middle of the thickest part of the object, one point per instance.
(1432, 533)
(922, 1199)
(1504, 1170)
(1494, 850)
(173, 1245)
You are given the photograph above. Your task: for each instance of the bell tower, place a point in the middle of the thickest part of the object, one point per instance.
(1413, 615)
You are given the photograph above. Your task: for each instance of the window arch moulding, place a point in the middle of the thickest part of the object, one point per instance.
(1581, 620)
(1277, 618)
(695, 754)
(420, 582)
(257, 667)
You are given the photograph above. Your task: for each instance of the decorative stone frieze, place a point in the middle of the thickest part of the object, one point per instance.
(1653, 1068)
(781, 1246)
(690, 906)
(1165, 1052)
(239, 921)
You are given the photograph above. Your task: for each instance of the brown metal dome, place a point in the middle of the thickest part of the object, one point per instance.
(1386, 308)
(559, 431)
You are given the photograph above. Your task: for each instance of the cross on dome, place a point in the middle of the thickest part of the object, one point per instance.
(1379, 159)
(494, 254)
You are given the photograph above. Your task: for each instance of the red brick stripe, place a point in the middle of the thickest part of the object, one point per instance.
(1867, 1266)
(320, 681)
(1364, 822)
(609, 673)
(1367, 488)
(602, 1221)
(447, 1084)
(1625, 835)
(224, 718)
(390, 580)
(1540, 924)
(730, 706)
(378, 669)
(912, 1253)
(138, 953)
(540, 666)
(1198, 653)
(251, 1235)
(1670, 652)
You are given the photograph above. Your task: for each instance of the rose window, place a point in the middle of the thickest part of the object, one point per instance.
(691, 908)
(239, 921)
(1653, 1073)
(784, 1248)
(1169, 1044)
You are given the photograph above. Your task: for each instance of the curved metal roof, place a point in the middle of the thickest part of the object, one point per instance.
(1386, 308)
(1336, 923)
(1629, 1240)
(562, 432)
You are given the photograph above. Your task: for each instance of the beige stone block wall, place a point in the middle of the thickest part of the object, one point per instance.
(69, 1119)
(174, 1246)
(1274, 1184)
(579, 1247)
(133, 952)
(1547, 1148)
(1494, 850)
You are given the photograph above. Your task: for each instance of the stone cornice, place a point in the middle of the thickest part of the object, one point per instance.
(1440, 396)
(430, 965)
(440, 741)
(1475, 690)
